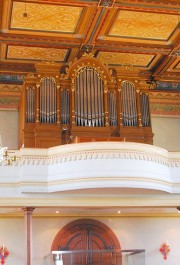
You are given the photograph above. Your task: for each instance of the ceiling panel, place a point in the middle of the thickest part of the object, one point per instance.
(36, 53)
(143, 25)
(142, 60)
(45, 17)
(142, 34)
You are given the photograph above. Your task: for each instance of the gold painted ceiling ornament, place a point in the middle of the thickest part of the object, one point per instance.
(87, 48)
(106, 3)
(88, 55)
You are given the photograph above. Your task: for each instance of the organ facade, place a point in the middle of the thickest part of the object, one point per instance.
(88, 102)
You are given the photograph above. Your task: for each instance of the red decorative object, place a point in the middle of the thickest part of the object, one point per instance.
(3, 254)
(164, 249)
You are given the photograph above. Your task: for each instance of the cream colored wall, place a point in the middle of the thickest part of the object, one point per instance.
(11, 231)
(166, 132)
(9, 128)
(133, 233)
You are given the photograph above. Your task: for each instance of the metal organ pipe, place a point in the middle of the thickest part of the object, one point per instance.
(95, 99)
(47, 101)
(40, 105)
(99, 102)
(89, 107)
(85, 101)
(27, 105)
(48, 111)
(129, 105)
(145, 110)
(30, 104)
(65, 106)
(102, 101)
(89, 96)
(33, 104)
(77, 103)
(68, 107)
(44, 100)
(123, 103)
(54, 105)
(112, 108)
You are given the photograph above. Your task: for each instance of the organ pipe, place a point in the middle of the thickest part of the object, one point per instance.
(48, 109)
(73, 103)
(145, 110)
(112, 108)
(30, 104)
(58, 104)
(89, 98)
(129, 104)
(65, 106)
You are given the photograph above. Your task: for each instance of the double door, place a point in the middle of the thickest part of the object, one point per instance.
(89, 244)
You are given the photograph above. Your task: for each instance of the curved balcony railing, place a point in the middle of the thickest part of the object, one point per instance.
(96, 165)
(96, 257)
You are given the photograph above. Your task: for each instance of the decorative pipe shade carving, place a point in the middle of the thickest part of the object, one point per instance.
(47, 104)
(89, 98)
(129, 104)
(30, 104)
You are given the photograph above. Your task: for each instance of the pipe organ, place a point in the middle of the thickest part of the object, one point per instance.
(87, 103)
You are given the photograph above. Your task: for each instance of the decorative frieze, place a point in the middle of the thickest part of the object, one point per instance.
(96, 151)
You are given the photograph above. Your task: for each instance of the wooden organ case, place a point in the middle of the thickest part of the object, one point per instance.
(88, 103)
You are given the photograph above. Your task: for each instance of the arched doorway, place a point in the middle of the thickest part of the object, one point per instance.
(88, 234)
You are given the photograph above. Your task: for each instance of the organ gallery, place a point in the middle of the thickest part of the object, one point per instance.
(83, 103)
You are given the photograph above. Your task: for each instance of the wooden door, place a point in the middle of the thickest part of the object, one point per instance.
(87, 235)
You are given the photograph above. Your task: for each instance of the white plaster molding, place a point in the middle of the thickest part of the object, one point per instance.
(103, 150)
(92, 165)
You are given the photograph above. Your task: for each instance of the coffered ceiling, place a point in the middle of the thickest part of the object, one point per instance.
(142, 34)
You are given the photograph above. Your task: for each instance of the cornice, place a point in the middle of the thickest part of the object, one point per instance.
(103, 150)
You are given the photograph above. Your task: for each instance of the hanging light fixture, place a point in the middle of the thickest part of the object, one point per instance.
(178, 209)
(25, 14)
